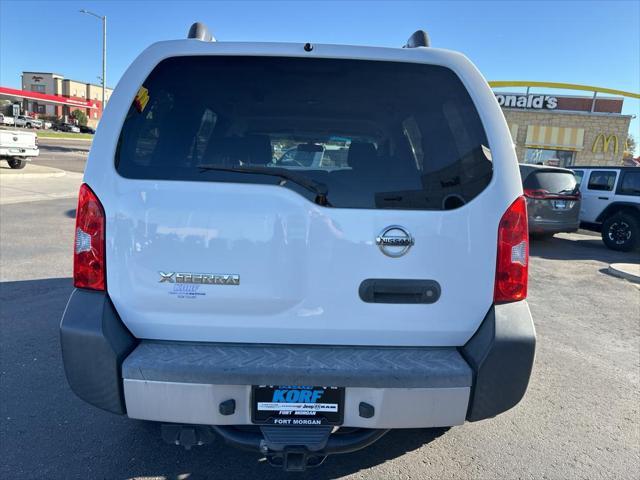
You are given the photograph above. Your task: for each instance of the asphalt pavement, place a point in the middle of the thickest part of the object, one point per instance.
(66, 154)
(579, 419)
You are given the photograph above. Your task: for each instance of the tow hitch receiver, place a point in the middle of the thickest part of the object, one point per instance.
(293, 448)
(186, 436)
(297, 448)
(295, 459)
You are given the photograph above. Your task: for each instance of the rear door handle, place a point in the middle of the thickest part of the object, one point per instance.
(603, 198)
(385, 290)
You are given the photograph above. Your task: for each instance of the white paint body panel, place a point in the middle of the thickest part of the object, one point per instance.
(300, 264)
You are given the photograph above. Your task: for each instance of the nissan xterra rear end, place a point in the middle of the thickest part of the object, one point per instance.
(300, 308)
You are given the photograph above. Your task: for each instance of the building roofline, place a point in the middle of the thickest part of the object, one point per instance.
(66, 79)
(86, 83)
(43, 73)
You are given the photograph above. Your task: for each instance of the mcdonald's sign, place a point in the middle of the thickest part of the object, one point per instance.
(606, 140)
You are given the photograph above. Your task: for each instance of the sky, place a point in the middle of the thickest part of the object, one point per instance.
(585, 42)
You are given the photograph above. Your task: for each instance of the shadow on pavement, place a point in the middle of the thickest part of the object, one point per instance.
(73, 148)
(592, 248)
(47, 432)
(219, 460)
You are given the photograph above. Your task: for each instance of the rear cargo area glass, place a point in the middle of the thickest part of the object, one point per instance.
(376, 134)
(552, 181)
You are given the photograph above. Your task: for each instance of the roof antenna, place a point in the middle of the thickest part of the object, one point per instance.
(418, 39)
(199, 31)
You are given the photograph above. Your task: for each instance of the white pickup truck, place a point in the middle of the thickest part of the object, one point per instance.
(28, 122)
(7, 120)
(16, 147)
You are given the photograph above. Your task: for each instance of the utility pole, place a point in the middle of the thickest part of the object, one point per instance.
(104, 54)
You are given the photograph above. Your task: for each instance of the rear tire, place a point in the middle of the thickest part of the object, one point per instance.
(621, 232)
(16, 163)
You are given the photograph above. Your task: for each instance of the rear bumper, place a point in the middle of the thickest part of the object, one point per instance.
(546, 226)
(186, 382)
(19, 152)
(407, 387)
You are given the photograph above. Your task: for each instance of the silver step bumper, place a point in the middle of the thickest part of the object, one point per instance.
(185, 383)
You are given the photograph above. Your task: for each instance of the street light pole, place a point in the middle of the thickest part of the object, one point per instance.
(104, 62)
(104, 54)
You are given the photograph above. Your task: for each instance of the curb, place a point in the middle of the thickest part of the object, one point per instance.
(49, 173)
(628, 271)
(44, 138)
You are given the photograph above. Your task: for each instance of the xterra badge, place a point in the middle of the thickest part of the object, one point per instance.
(200, 278)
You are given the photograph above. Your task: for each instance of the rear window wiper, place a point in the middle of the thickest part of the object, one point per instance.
(320, 189)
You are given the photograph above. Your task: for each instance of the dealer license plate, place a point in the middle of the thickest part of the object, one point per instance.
(297, 405)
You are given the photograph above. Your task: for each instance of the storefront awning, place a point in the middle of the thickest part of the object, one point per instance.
(44, 98)
(558, 138)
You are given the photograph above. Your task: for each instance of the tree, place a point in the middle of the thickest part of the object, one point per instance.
(629, 147)
(80, 116)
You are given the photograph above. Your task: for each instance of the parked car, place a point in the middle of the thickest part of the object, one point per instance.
(553, 199)
(7, 120)
(27, 122)
(17, 147)
(86, 129)
(300, 312)
(611, 204)
(66, 127)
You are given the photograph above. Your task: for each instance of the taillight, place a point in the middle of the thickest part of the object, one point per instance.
(89, 268)
(512, 266)
(539, 193)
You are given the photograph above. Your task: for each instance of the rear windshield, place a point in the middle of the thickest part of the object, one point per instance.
(552, 181)
(373, 134)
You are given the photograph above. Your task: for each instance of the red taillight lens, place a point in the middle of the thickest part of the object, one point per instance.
(541, 194)
(531, 193)
(89, 268)
(512, 266)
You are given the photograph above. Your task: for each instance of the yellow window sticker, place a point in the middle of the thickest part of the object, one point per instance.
(141, 100)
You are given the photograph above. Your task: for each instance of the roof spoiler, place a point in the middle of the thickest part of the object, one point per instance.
(418, 39)
(199, 31)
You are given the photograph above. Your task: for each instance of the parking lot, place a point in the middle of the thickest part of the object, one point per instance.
(579, 419)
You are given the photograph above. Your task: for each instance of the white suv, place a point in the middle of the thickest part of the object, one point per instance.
(611, 204)
(300, 311)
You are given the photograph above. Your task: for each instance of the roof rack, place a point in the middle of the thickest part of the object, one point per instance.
(199, 31)
(418, 39)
